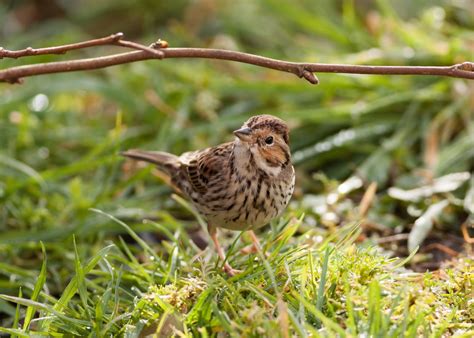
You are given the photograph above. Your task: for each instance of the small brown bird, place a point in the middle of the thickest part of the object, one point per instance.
(239, 185)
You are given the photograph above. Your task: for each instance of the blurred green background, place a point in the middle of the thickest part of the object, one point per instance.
(60, 134)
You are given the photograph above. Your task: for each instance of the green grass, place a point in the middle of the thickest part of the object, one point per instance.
(305, 287)
(90, 245)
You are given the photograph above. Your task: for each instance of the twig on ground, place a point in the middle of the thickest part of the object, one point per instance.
(367, 200)
(441, 247)
(393, 238)
(159, 50)
(465, 233)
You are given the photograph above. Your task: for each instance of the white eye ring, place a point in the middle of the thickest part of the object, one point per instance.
(269, 140)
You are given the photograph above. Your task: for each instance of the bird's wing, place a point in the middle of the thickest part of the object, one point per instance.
(206, 166)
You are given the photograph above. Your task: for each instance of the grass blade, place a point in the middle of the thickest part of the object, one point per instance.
(322, 282)
(36, 291)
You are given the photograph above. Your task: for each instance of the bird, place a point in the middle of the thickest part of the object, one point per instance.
(239, 185)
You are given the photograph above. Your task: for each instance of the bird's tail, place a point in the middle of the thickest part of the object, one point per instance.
(168, 164)
(161, 159)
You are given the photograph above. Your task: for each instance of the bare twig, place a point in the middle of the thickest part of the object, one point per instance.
(138, 46)
(108, 40)
(441, 247)
(113, 39)
(159, 51)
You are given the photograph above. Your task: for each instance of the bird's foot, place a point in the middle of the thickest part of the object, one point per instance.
(252, 249)
(230, 270)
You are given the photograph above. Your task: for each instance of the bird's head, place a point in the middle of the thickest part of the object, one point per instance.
(267, 138)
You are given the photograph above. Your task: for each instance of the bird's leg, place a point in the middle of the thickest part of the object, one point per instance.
(227, 268)
(255, 241)
(255, 246)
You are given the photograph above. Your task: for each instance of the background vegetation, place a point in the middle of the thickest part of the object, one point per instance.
(92, 245)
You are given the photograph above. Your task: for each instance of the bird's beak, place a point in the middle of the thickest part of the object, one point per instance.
(243, 133)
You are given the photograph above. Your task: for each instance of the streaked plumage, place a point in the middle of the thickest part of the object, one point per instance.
(239, 185)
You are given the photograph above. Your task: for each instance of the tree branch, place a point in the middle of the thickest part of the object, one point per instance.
(159, 50)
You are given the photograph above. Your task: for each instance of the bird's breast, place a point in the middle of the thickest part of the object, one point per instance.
(246, 201)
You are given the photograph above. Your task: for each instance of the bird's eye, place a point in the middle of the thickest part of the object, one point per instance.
(269, 140)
